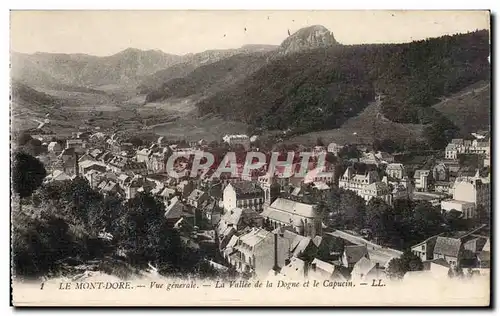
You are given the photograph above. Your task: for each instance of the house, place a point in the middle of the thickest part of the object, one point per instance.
(212, 213)
(110, 187)
(318, 175)
(185, 188)
(244, 194)
(259, 251)
(422, 180)
(54, 147)
(236, 220)
(131, 187)
(57, 175)
(443, 186)
(233, 140)
(352, 254)
(350, 180)
(87, 165)
(370, 159)
(125, 165)
(425, 249)
(472, 189)
(77, 143)
(304, 218)
(166, 194)
(377, 190)
(440, 172)
(297, 244)
(468, 209)
(334, 148)
(196, 198)
(483, 259)
(321, 270)
(143, 155)
(294, 269)
(384, 157)
(451, 152)
(366, 270)
(449, 249)
(176, 210)
(395, 170)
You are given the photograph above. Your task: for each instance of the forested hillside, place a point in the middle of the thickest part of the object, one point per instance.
(211, 77)
(322, 88)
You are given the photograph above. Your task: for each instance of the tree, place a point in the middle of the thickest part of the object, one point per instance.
(440, 132)
(380, 219)
(407, 262)
(27, 175)
(320, 142)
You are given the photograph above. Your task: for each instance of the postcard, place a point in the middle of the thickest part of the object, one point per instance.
(250, 158)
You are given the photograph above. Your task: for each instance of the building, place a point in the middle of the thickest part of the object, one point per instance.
(352, 254)
(384, 157)
(370, 158)
(304, 218)
(451, 152)
(449, 249)
(233, 140)
(125, 165)
(236, 220)
(396, 171)
(259, 251)
(357, 182)
(473, 189)
(334, 148)
(197, 198)
(440, 172)
(87, 165)
(468, 209)
(379, 190)
(243, 194)
(425, 249)
(422, 179)
(176, 210)
(76, 143)
(318, 175)
(366, 270)
(54, 147)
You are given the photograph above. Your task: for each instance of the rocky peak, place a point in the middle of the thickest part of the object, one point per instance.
(311, 37)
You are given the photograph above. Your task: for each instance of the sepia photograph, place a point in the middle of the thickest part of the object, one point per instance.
(250, 158)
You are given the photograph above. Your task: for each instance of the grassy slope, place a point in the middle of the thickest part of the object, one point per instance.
(469, 109)
(368, 125)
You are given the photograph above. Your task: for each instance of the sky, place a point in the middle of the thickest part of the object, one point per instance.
(105, 33)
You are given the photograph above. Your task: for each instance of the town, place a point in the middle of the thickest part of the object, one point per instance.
(365, 214)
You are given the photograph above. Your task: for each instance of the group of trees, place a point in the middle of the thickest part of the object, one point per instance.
(340, 81)
(399, 226)
(67, 219)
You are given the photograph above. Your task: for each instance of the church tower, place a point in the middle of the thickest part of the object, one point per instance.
(272, 190)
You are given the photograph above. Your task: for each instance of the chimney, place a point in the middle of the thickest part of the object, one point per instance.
(77, 169)
(313, 266)
(276, 267)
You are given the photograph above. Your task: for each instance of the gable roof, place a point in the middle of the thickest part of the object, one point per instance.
(174, 209)
(395, 166)
(447, 246)
(295, 269)
(196, 194)
(294, 207)
(247, 189)
(355, 253)
(363, 266)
